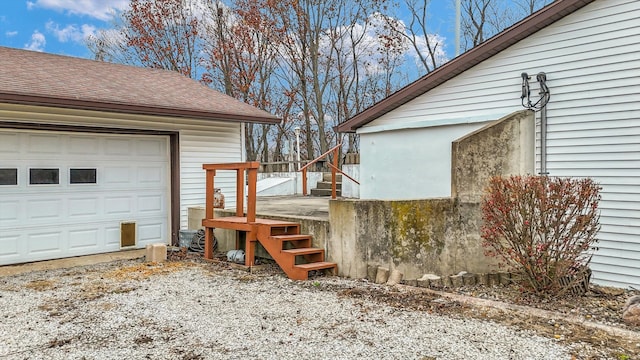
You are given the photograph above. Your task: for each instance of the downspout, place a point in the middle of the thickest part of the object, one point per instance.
(544, 97)
(543, 139)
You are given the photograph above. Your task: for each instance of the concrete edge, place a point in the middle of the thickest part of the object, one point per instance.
(546, 314)
(9, 270)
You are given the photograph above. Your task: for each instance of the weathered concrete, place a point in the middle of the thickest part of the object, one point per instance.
(413, 236)
(438, 235)
(503, 147)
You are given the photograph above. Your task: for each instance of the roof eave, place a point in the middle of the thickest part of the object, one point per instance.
(132, 109)
(519, 31)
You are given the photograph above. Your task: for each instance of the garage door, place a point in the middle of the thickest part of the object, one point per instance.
(69, 194)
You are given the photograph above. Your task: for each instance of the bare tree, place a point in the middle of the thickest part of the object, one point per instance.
(159, 34)
(426, 45)
(481, 19)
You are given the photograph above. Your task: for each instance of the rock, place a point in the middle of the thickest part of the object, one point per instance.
(382, 275)
(372, 271)
(469, 279)
(631, 311)
(456, 280)
(395, 277)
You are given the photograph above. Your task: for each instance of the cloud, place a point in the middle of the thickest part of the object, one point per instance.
(38, 41)
(99, 9)
(71, 32)
(10, 33)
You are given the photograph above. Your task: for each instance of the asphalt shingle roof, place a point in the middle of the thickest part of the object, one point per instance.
(34, 78)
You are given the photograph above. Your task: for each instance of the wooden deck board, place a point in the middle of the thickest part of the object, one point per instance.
(240, 223)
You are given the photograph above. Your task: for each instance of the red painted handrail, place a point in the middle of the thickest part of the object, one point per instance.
(334, 169)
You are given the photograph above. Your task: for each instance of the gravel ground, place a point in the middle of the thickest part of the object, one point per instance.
(193, 310)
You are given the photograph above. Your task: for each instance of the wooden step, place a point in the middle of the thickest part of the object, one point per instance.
(303, 256)
(304, 251)
(297, 241)
(285, 229)
(320, 265)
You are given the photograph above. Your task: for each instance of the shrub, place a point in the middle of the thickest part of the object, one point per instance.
(542, 227)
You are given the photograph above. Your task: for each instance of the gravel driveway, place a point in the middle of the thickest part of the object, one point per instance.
(191, 310)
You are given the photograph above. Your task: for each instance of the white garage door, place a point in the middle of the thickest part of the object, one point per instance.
(67, 194)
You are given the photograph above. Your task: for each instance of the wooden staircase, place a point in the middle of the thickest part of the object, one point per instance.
(291, 250)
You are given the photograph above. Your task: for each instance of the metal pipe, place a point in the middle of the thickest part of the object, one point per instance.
(542, 78)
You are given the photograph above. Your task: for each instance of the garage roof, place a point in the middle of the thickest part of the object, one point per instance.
(34, 78)
(535, 22)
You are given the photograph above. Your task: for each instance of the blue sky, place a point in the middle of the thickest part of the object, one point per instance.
(54, 26)
(60, 26)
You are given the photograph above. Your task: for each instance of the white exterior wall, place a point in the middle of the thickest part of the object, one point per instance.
(201, 141)
(592, 62)
(408, 164)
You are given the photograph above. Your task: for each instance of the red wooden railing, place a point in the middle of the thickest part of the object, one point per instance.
(252, 178)
(334, 168)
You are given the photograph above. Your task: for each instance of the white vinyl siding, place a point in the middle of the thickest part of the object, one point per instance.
(201, 141)
(592, 62)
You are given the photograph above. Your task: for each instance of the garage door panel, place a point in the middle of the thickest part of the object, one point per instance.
(117, 175)
(83, 145)
(121, 147)
(151, 204)
(44, 209)
(150, 147)
(45, 243)
(84, 207)
(112, 237)
(10, 211)
(150, 232)
(84, 239)
(151, 175)
(9, 143)
(50, 145)
(118, 205)
(9, 248)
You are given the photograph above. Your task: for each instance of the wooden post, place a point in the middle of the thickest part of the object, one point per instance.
(208, 238)
(250, 248)
(251, 194)
(240, 192)
(208, 210)
(304, 182)
(333, 173)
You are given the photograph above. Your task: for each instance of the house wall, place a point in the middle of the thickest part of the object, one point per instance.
(408, 164)
(592, 65)
(201, 142)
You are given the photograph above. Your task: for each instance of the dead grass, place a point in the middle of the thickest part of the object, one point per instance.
(145, 270)
(41, 285)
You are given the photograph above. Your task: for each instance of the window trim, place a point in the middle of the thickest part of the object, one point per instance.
(95, 176)
(30, 183)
